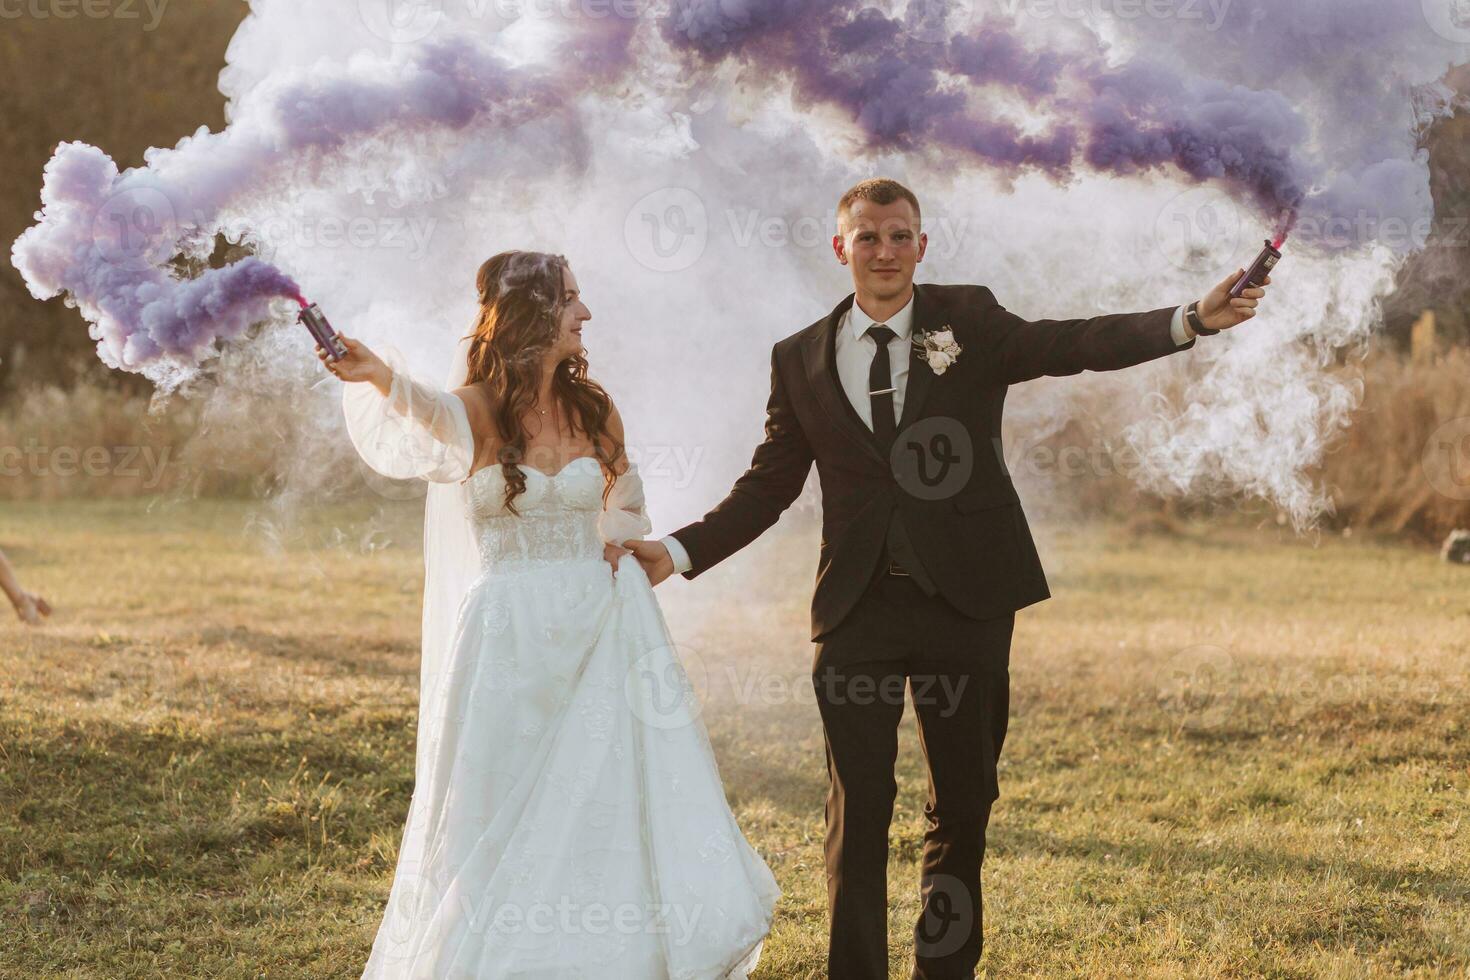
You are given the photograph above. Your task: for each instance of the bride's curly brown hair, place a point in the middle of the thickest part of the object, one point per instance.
(521, 303)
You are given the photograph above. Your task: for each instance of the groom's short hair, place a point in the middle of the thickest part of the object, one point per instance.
(878, 190)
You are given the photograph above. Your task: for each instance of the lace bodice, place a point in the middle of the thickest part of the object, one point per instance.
(420, 431)
(558, 519)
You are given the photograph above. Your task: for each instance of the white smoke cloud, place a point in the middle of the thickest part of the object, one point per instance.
(379, 153)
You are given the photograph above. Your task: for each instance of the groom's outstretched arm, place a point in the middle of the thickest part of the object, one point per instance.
(1025, 349)
(778, 471)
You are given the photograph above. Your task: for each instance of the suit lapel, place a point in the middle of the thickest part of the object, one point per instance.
(820, 355)
(921, 376)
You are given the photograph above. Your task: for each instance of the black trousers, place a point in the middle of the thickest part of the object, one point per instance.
(957, 671)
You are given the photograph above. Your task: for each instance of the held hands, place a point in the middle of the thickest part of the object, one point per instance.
(655, 559)
(360, 364)
(612, 554)
(1220, 312)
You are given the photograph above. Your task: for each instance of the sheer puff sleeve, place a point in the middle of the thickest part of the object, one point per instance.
(625, 516)
(416, 431)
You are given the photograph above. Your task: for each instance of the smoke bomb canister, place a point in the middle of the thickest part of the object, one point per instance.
(1256, 274)
(316, 322)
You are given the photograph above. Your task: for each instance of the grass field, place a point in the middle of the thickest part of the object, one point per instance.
(1232, 753)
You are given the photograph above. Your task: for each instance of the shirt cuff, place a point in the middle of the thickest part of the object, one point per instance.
(682, 563)
(1179, 329)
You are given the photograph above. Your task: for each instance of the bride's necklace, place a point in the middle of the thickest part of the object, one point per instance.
(544, 412)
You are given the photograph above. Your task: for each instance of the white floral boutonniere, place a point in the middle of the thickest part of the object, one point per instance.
(939, 348)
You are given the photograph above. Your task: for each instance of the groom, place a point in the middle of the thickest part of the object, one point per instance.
(896, 395)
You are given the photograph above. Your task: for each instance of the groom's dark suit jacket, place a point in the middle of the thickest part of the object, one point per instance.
(973, 540)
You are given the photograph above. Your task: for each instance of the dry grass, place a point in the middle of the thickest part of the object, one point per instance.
(206, 758)
(1415, 426)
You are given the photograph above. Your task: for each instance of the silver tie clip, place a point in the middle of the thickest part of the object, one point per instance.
(885, 391)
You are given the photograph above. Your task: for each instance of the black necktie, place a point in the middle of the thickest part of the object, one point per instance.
(880, 387)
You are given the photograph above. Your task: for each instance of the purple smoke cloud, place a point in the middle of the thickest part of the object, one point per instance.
(1289, 105)
(109, 240)
(1155, 112)
(104, 242)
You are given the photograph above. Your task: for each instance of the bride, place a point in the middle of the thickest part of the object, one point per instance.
(567, 819)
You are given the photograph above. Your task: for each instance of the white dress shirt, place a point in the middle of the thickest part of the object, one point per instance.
(855, 351)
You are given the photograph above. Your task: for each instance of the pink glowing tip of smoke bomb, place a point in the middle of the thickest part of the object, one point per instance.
(1284, 223)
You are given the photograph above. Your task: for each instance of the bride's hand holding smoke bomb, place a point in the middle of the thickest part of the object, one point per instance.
(359, 364)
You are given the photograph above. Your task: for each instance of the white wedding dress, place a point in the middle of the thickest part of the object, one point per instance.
(567, 819)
